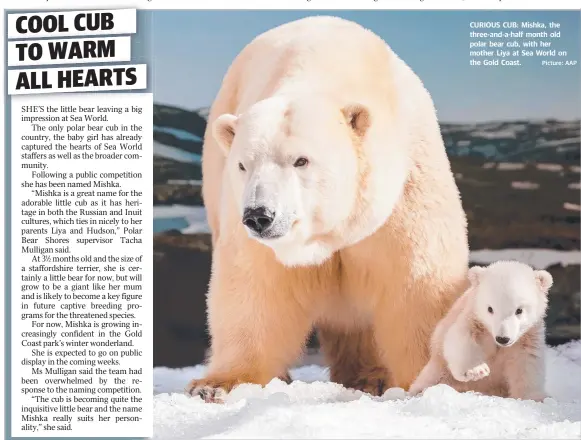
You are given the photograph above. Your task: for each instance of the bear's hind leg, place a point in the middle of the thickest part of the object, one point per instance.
(352, 356)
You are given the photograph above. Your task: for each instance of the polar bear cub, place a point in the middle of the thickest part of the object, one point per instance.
(492, 340)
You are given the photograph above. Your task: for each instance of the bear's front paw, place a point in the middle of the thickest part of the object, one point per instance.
(375, 387)
(209, 390)
(374, 382)
(478, 372)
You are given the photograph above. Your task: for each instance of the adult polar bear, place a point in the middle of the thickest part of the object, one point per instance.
(331, 203)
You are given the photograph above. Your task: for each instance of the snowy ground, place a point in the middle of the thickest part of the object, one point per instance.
(312, 407)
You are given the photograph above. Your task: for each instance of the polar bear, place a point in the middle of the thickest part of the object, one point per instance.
(332, 205)
(493, 339)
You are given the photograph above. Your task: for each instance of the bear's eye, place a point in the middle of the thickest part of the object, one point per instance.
(518, 311)
(241, 167)
(301, 162)
(490, 310)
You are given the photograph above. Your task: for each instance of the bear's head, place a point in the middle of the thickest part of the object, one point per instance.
(306, 175)
(511, 297)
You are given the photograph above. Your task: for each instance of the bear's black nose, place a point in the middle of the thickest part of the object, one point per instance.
(502, 340)
(257, 219)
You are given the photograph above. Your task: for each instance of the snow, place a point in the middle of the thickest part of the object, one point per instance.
(537, 258)
(178, 133)
(174, 153)
(558, 142)
(312, 407)
(184, 182)
(550, 167)
(501, 134)
(510, 166)
(524, 185)
(571, 206)
(192, 219)
(204, 112)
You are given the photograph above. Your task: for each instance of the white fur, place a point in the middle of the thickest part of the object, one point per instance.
(378, 197)
(505, 287)
(477, 361)
(460, 351)
(317, 200)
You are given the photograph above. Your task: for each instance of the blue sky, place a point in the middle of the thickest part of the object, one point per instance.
(191, 51)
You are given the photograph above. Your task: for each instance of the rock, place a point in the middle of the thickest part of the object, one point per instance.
(181, 272)
(174, 141)
(177, 194)
(177, 118)
(167, 169)
(548, 140)
(501, 216)
(563, 316)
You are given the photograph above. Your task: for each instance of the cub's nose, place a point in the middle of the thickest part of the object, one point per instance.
(257, 219)
(502, 340)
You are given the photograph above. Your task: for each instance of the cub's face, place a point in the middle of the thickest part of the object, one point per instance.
(510, 298)
(295, 172)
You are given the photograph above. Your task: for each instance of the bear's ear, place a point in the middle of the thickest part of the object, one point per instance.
(474, 274)
(357, 117)
(544, 280)
(223, 130)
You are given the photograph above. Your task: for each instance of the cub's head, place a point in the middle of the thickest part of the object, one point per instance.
(300, 176)
(510, 297)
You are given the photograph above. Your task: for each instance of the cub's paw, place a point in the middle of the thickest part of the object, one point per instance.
(210, 391)
(478, 372)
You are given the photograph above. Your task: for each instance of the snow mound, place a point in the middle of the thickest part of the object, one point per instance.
(312, 407)
(537, 258)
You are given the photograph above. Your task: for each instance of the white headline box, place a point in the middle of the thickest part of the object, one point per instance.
(69, 51)
(72, 23)
(83, 79)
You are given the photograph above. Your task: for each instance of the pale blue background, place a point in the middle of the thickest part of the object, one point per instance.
(193, 49)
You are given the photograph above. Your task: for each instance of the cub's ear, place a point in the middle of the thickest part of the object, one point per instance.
(223, 130)
(357, 117)
(474, 274)
(544, 280)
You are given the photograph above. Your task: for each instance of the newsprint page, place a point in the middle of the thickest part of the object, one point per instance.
(279, 219)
